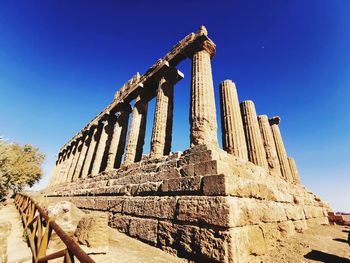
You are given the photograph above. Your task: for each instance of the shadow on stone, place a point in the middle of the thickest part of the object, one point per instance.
(325, 257)
(346, 231)
(341, 240)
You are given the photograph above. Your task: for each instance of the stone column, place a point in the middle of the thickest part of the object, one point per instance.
(62, 165)
(117, 145)
(294, 170)
(100, 148)
(91, 151)
(136, 137)
(85, 145)
(270, 147)
(203, 113)
(66, 163)
(233, 138)
(78, 149)
(163, 119)
(70, 159)
(255, 146)
(281, 151)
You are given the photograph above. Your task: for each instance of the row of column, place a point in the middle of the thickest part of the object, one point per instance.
(102, 147)
(251, 137)
(246, 135)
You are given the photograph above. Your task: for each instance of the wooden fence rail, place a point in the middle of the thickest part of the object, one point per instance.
(38, 227)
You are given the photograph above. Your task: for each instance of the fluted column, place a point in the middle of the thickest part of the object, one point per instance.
(117, 145)
(294, 170)
(203, 113)
(233, 138)
(91, 151)
(75, 159)
(85, 145)
(281, 151)
(70, 160)
(255, 146)
(136, 137)
(163, 119)
(67, 162)
(269, 144)
(101, 145)
(62, 165)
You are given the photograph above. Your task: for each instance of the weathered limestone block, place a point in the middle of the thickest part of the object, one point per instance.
(205, 168)
(281, 151)
(117, 145)
(120, 222)
(202, 245)
(156, 207)
(96, 130)
(144, 229)
(92, 230)
(136, 137)
(182, 185)
(203, 122)
(269, 144)
(252, 211)
(233, 138)
(294, 212)
(243, 187)
(148, 188)
(300, 225)
(294, 170)
(317, 221)
(256, 150)
(91, 203)
(203, 209)
(286, 228)
(313, 212)
(248, 241)
(66, 215)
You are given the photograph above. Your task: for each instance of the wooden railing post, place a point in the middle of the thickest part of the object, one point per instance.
(34, 220)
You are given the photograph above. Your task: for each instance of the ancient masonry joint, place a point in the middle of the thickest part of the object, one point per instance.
(205, 204)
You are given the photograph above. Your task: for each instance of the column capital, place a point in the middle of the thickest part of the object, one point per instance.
(141, 103)
(207, 45)
(123, 107)
(275, 120)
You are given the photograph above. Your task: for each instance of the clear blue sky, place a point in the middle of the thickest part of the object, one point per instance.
(62, 61)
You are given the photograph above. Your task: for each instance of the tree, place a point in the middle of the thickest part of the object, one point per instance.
(20, 166)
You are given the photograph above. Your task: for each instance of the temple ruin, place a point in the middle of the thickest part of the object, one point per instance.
(205, 204)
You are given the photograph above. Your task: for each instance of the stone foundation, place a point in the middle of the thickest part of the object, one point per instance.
(203, 204)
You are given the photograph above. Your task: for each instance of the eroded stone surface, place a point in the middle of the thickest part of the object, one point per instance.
(204, 204)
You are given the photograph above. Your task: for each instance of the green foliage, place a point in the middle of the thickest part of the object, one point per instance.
(20, 166)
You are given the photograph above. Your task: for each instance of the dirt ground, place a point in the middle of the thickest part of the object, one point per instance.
(317, 244)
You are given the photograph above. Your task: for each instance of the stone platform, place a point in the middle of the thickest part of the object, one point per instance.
(203, 204)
